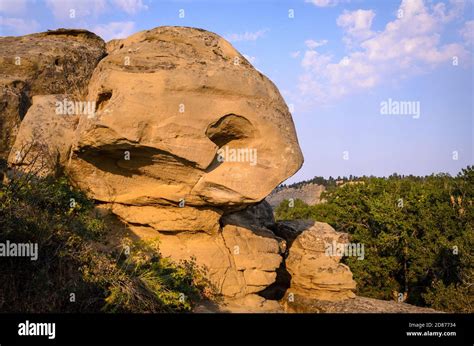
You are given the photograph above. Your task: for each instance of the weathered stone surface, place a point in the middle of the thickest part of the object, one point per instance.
(238, 261)
(300, 303)
(172, 112)
(314, 273)
(309, 193)
(170, 219)
(13, 105)
(257, 215)
(251, 303)
(54, 62)
(256, 252)
(44, 140)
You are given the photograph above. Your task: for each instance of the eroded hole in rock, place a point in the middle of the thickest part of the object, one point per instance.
(102, 99)
(229, 128)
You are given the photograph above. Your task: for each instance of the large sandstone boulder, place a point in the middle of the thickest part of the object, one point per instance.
(167, 100)
(54, 62)
(316, 272)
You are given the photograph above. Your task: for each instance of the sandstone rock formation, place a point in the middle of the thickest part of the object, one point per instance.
(54, 62)
(315, 272)
(309, 193)
(171, 113)
(185, 133)
(184, 142)
(302, 304)
(43, 142)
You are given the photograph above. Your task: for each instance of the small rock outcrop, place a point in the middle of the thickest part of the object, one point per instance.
(316, 272)
(301, 304)
(310, 267)
(308, 193)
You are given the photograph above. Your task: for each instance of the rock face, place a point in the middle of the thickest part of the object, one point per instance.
(53, 62)
(309, 193)
(302, 304)
(43, 142)
(185, 139)
(239, 261)
(195, 122)
(316, 272)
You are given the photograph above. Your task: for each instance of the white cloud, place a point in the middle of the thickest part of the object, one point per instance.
(467, 32)
(357, 25)
(295, 54)
(406, 46)
(61, 9)
(130, 6)
(314, 61)
(20, 26)
(312, 44)
(247, 36)
(82, 8)
(13, 6)
(447, 15)
(113, 30)
(323, 3)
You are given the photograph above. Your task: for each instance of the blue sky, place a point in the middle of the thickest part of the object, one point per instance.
(335, 63)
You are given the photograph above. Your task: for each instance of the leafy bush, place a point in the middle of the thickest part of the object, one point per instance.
(418, 235)
(75, 261)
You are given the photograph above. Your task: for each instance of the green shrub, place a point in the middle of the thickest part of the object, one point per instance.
(418, 235)
(74, 258)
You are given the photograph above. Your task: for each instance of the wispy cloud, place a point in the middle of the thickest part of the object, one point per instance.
(20, 26)
(62, 9)
(356, 25)
(312, 44)
(326, 3)
(130, 6)
(246, 36)
(14, 7)
(467, 32)
(113, 30)
(408, 45)
(295, 54)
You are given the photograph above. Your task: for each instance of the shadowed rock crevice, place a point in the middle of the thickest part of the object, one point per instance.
(102, 99)
(128, 159)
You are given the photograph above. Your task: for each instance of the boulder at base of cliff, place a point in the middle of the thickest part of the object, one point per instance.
(315, 272)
